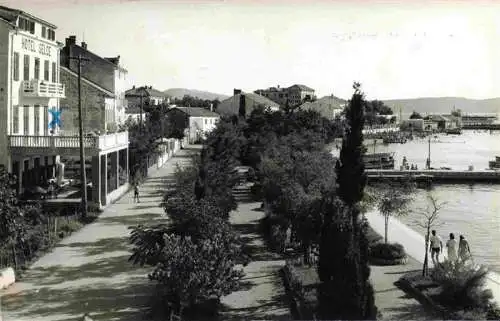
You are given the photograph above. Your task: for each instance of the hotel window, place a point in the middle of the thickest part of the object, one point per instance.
(15, 64)
(46, 70)
(26, 119)
(26, 67)
(37, 120)
(51, 34)
(37, 68)
(27, 25)
(44, 32)
(54, 72)
(15, 120)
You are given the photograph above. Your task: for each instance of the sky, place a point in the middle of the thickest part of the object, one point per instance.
(398, 49)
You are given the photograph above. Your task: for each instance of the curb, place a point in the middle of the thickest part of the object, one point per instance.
(385, 262)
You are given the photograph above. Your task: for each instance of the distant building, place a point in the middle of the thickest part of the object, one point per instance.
(197, 120)
(329, 106)
(293, 95)
(107, 73)
(150, 96)
(444, 122)
(234, 105)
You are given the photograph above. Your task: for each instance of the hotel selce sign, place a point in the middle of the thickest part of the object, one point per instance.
(34, 46)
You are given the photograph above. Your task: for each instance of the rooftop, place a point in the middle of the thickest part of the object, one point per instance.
(147, 90)
(11, 15)
(196, 111)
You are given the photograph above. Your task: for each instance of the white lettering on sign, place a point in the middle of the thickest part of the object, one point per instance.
(30, 45)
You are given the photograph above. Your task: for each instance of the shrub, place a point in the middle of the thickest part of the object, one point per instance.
(67, 227)
(463, 285)
(388, 251)
(372, 237)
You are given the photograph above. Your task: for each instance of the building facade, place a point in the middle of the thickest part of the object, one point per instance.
(197, 120)
(34, 140)
(107, 73)
(293, 96)
(29, 89)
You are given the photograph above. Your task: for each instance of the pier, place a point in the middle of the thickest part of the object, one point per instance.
(481, 126)
(437, 175)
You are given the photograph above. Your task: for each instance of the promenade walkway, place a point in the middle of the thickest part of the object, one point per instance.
(262, 296)
(414, 244)
(89, 271)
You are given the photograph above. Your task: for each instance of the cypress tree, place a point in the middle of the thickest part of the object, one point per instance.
(345, 291)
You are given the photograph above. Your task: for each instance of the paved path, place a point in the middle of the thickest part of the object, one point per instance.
(262, 296)
(414, 244)
(88, 271)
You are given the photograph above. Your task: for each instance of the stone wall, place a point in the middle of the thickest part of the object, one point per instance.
(93, 105)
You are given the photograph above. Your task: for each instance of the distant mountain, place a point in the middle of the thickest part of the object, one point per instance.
(181, 92)
(444, 105)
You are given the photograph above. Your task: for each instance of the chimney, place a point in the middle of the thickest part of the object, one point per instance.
(71, 40)
(236, 91)
(84, 45)
(133, 87)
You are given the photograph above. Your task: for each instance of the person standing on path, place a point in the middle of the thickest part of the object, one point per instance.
(436, 247)
(451, 244)
(463, 249)
(136, 193)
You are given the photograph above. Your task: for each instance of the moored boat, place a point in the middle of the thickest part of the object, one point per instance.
(495, 164)
(379, 161)
(453, 131)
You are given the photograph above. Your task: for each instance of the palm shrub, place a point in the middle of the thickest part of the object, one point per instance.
(462, 285)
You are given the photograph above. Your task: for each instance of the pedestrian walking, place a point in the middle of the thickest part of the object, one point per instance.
(136, 193)
(436, 247)
(463, 249)
(451, 244)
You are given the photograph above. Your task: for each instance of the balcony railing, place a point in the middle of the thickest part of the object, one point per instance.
(102, 142)
(41, 88)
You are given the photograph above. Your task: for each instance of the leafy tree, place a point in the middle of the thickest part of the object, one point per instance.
(393, 199)
(415, 115)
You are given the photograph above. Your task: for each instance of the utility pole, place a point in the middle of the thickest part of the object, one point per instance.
(141, 123)
(83, 175)
(429, 155)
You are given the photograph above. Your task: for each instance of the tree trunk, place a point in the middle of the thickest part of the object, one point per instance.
(386, 221)
(14, 256)
(426, 257)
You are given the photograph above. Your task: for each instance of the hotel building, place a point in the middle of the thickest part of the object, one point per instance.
(31, 91)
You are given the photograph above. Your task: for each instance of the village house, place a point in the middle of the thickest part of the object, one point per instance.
(145, 96)
(198, 121)
(293, 95)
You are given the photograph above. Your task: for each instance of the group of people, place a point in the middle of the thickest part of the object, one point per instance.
(456, 252)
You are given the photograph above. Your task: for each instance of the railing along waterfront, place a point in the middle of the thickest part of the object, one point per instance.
(438, 175)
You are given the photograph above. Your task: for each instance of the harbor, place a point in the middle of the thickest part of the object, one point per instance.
(472, 207)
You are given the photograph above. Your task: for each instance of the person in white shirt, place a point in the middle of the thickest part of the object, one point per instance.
(436, 246)
(451, 244)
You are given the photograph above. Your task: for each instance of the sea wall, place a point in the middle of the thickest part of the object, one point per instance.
(414, 244)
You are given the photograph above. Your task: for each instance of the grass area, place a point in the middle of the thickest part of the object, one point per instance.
(41, 239)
